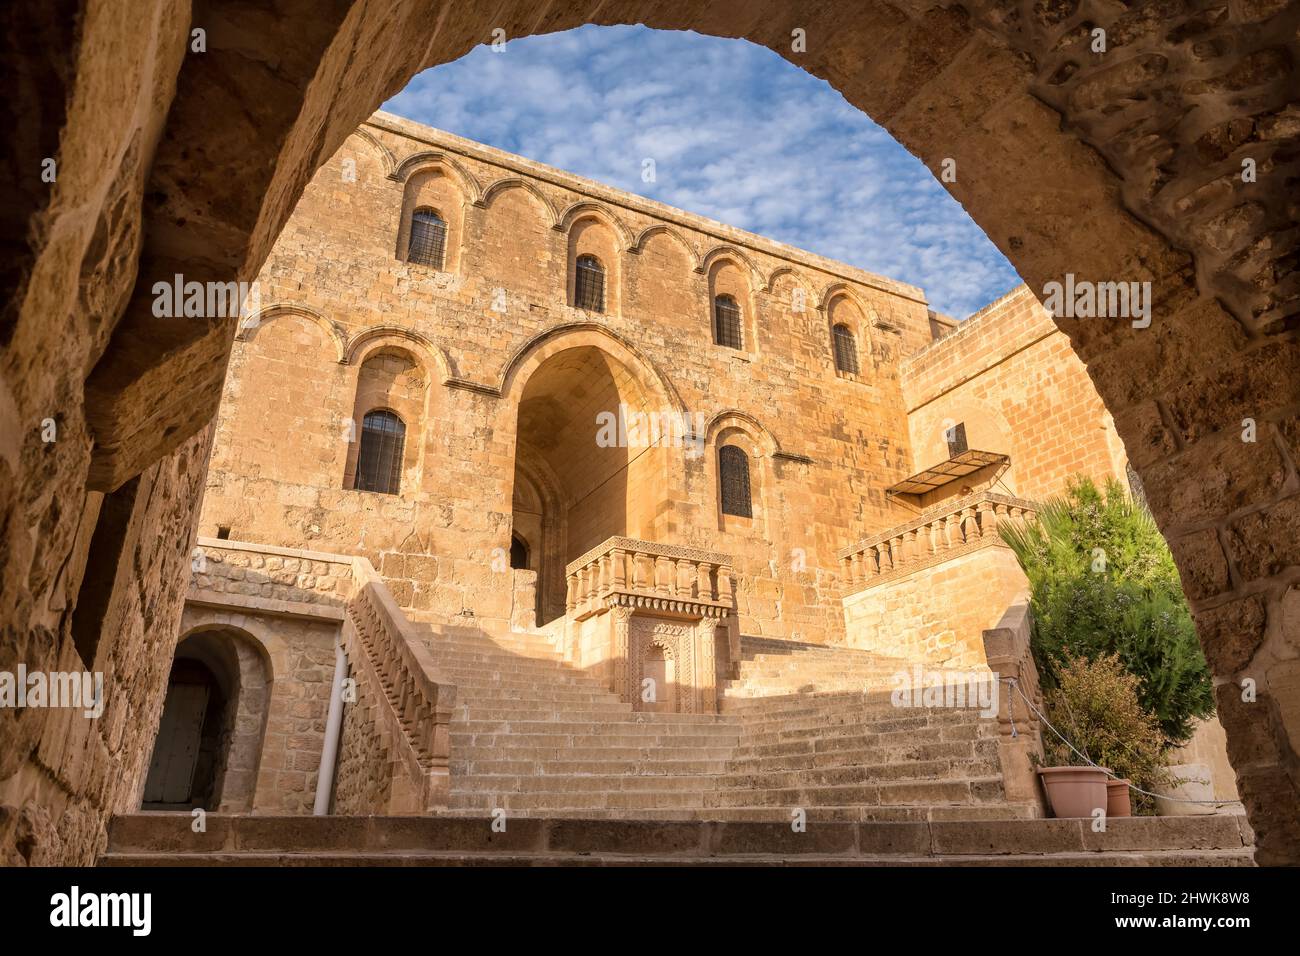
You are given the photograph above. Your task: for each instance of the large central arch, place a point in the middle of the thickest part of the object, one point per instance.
(1119, 165)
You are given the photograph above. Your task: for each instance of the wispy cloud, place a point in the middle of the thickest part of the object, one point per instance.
(736, 133)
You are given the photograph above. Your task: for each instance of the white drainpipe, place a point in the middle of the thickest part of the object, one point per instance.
(333, 729)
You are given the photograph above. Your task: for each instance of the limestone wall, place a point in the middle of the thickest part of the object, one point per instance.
(335, 294)
(937, 614)
(1010, 375)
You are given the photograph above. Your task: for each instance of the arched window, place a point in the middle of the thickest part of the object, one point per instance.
(428, 242)
(726, 322)
(379, 460)
(518, 553)
(589, 284)
(733, 471)
(846, 349)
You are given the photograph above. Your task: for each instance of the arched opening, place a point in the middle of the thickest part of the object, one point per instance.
(1221, 291)
(587, 425)
(209, 743)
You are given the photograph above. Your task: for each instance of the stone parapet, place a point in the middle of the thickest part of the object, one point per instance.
(947, 531)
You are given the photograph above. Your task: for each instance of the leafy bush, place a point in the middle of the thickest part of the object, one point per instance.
(1102, 582)
(1095, 706)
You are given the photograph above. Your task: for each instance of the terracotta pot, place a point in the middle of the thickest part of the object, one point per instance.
(1074, 791)
(1117, 799)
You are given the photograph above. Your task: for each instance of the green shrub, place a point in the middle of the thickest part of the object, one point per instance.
(1102, 582)
(1095, 706)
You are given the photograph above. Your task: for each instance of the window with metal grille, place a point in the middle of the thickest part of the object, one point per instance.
(846, 349)
(726, 322)
(733, 469)
(956, 437)
(379, 460)
(428, 243)
(589, 284)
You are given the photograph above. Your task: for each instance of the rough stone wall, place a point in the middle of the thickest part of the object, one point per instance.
(334, 283)
(363, 776)
(1011, 376)
(62, 774)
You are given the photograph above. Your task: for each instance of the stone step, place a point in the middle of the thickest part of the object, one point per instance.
(564, 784)
(596, 766)
(511, 743)
(905, 792)
(596, 713)
(554, 753)
(812, 759)
(659, 727)
(165, 839)
(863, 773)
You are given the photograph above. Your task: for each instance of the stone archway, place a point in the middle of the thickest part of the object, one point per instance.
(1122, 166)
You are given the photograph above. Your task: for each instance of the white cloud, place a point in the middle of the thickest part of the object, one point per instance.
(736, 133)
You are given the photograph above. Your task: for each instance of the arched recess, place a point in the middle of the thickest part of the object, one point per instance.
(588, 209)
(391, 378)
(590, 233)
(208, 748)
(1090, 123)
(524, 362)
(639, 244)
(495, 190)
(732, 278)
(427, 160)
(434, 187)
(741, 430)
(846, 309)
(249, 326)
(385, 154)
(437, 361)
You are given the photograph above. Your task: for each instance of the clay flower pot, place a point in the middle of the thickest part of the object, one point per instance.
(1117, 799)
(1074, 791)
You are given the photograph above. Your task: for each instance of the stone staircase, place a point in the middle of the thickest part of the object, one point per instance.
(800, 731)
(585, 780)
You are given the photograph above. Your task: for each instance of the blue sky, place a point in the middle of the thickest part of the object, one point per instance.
(736, 134)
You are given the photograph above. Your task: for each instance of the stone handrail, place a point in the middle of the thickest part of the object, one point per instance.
(382, 644)
(640, 573)
(944, 531)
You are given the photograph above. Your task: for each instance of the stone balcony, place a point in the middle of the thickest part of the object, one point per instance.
(646, 614)
(926, 590)
(944, 532)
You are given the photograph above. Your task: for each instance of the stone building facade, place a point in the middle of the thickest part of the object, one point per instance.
(498, 379)
(559, 447)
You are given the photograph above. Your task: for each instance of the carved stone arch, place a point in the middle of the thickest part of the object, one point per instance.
(248, 327)
(385, 154)
(529, 356)
(436, 159)
(865, 332)
(588, 208)
(734, 418)
(737, 256)
(692, 253)
(798, 276)
(514, 182)
(369, 340)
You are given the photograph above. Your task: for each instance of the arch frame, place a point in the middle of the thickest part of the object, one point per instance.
(249, 326)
